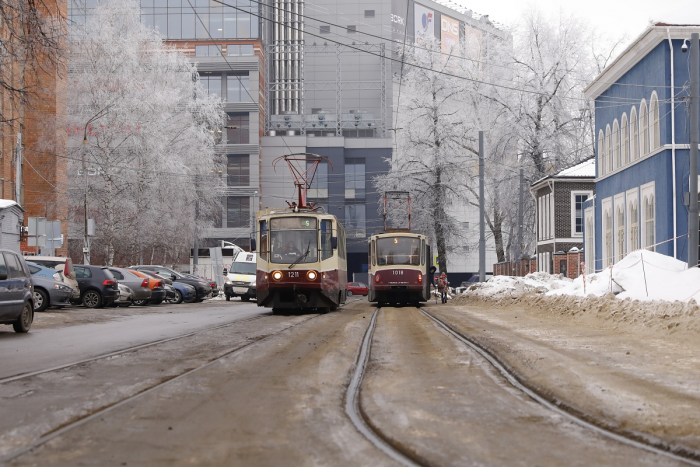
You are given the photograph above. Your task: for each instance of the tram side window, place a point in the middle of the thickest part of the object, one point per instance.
(341, 243)
(422, 253)
(326, 234)
(263, 240)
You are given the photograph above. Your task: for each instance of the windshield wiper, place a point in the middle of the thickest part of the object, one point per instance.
(302, 257)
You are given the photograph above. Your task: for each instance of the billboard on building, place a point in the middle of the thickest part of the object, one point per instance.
(472, 47)
(399, 32)
(449, 32)
(424, 23)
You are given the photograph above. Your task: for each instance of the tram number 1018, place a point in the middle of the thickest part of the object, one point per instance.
(398, 272)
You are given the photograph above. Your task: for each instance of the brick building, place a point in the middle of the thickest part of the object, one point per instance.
(559, 199)
(37, 118)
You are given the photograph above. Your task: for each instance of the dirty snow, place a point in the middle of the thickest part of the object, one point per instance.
(642, 275)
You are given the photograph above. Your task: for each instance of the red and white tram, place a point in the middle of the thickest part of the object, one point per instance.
(302, 256)
(399, 264)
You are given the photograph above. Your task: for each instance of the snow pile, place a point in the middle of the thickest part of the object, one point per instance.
(641, 275)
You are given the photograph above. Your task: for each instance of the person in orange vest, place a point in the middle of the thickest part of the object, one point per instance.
(442, 286)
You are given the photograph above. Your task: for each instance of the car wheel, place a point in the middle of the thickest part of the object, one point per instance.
(178, 297)
(140, 302)
(92, 299)
(349, 293)
(24, 322)
(41, 300)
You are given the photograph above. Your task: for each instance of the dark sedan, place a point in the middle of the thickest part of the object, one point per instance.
(49, 292)
(98, 287)
(202, 287)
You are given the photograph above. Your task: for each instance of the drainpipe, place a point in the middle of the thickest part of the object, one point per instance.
(673, 148)
(552, 216)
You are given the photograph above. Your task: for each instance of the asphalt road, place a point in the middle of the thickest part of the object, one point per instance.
(45, 347)
(269, 390)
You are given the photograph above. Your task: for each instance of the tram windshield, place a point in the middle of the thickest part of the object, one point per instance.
(398, 251)
(294, 239)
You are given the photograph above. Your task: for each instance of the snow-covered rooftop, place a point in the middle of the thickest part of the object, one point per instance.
(6, 203)
(585, 169)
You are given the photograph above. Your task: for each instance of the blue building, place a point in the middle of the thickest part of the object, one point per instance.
(642, 154)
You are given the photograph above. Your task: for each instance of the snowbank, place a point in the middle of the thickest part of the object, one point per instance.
(642, 275)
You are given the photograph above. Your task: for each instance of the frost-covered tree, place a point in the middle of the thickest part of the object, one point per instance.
(144, 129)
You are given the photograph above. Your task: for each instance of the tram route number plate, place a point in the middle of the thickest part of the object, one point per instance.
(292, 274)
(397, 272)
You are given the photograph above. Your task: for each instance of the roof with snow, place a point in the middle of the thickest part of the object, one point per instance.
(585, 169)
(6, 203)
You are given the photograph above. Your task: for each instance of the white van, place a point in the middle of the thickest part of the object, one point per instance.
(241, 278)
(60, 263)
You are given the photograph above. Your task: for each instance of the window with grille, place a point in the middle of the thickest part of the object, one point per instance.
(649, 223)
(238, 88)
(238, 170)
(237, 211)
(644, 124)
(608, 239)
(354, 179)
(237, 128)
(621, 233)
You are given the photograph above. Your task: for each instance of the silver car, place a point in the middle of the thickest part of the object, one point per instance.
(138, 285)
(126, 296)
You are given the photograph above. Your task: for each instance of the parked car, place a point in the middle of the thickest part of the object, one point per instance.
(126, 295)
(183, 292)
(139, 286)
(357, 288)
(202, 287)
(167, 284)
(49, 292)
(156, 286)
(65, 265)
(42, 271)
(16, 292)
(98, 287)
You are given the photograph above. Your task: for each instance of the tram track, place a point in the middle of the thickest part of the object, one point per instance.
(406, 456)
(125, 350)
(565, 410)
(58, 431)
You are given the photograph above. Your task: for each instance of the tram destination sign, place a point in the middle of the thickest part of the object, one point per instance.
(293, 223)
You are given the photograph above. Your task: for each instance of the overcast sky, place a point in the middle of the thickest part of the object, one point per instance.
(611, 17)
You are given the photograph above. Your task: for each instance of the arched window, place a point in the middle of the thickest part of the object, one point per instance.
(621, 232)
(633, 242)
(601, 153)
(634, 139)
(608, 232)
(649, 226)
(644, 128)
(608, 150)
(616, 145)
(655, 124)
(625, 129)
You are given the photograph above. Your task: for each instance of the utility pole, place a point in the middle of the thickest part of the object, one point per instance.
(694, 140)
(519, 246)
(86, 237)
(482, 228)
(18, 170)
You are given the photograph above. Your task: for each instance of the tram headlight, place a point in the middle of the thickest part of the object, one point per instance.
(311, 275)
(277, 275)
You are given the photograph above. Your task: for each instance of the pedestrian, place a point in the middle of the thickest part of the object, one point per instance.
(442, 286)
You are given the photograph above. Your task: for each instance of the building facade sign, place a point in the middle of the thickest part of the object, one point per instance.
(424, 23)
(449, 30)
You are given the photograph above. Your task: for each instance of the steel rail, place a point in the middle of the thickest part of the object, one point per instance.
(562, 409)
(132, 348)
(51, 435)
(354, 410)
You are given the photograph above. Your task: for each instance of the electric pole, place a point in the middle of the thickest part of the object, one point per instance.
(482, 228)
(694, 140)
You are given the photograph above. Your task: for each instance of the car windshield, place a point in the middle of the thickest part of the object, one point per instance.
(398, 251)
(292, 237)
(243, 268)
